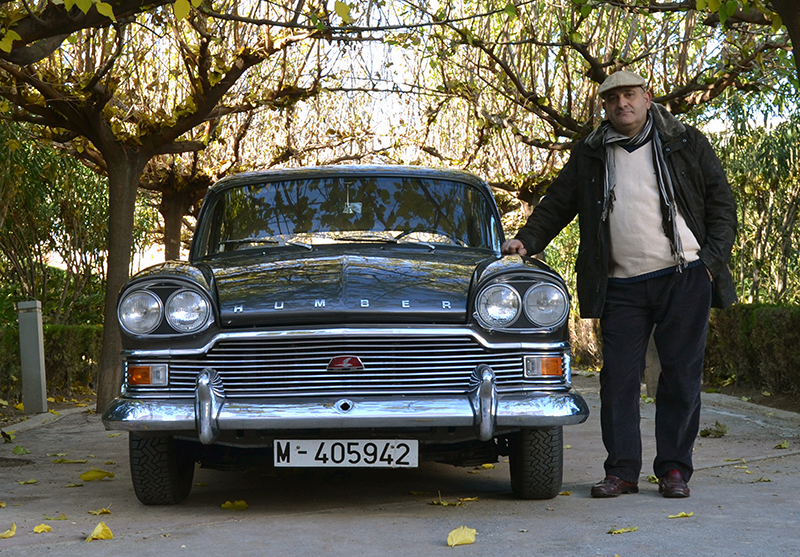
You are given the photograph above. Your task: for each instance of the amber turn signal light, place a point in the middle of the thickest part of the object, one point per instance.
(147, 375)
(543, 366)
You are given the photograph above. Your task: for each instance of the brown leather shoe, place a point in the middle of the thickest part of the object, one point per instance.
(673, 485)
(612, 486)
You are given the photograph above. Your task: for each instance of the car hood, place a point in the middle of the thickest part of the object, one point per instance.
(380, 285)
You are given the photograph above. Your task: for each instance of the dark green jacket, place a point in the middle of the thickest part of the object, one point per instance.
(702, 193)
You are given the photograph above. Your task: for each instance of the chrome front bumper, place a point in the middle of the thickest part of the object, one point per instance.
(482, 408)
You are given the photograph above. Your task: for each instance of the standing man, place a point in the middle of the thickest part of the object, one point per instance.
(657, 222)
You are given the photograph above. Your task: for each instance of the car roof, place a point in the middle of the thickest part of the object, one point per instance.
(334, 171)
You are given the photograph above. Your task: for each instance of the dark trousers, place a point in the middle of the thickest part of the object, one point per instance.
(678, 305)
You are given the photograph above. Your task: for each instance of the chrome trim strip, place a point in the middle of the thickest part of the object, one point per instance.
(395, 332)
(521, 410)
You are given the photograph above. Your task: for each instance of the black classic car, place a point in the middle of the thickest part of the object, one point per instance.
(345, 316)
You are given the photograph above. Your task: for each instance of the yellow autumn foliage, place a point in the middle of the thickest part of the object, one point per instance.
(100, 532)
(461, 536)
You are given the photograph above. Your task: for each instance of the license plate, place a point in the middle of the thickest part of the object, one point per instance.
(340, 453)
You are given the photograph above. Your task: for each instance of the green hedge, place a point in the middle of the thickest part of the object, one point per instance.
(759, 344)
(71, 354)
(756, 344)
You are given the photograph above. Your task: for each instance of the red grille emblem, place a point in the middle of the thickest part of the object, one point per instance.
(345, 363)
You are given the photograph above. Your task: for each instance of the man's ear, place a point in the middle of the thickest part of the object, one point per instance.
(648, 94)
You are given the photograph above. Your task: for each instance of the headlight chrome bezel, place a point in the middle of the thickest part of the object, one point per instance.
(481, 304)
(169, 311)
(127, 300)
(535, 319)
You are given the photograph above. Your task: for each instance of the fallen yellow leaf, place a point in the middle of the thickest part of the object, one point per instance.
(100, 511)
(100, 532)
(74, 485)
(467, 499)
(3, 402)
(68, 461)
(782, 445)
(95, 474)
(623, 530)
(62, 517)
(54, 412)
(235, 506)
(487, 466)
(81, 404)
(20, 407)
(565, 493)
(113, 434)
(29, 482)
(110, 463)
(42, 528)
(461, 536)
(442, 503)
(9, 533)
(681, 515)
(50, 399)
(2, 504)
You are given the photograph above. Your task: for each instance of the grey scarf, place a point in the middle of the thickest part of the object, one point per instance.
(668, 212)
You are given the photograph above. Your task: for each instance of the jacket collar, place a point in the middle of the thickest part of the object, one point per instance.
(669, 127)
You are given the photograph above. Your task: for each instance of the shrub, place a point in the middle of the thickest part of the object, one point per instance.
(71, 353)
(757, 344)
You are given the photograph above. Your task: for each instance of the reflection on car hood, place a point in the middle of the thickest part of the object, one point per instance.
(374, 285)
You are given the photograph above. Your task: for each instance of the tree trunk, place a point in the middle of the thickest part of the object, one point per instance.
(172, 209)
(124, 172)
(789, 10)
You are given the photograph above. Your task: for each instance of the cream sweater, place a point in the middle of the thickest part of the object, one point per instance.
(638, 242)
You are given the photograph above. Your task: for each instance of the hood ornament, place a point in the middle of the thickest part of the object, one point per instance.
(345, 363)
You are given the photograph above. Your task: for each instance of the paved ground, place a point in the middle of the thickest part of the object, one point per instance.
(744, 500)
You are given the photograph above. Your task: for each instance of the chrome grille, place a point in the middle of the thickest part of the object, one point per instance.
(255, 367)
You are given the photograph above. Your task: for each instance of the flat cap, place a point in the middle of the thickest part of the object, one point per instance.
(621, 79)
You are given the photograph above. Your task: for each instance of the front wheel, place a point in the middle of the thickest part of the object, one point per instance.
(536, 457)
(161, 469)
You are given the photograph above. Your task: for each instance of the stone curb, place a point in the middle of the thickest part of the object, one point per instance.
(47, 418)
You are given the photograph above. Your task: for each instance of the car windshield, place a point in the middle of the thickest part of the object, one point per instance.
(317, 211)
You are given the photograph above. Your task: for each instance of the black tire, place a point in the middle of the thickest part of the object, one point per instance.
(536, 457)
(161, 469)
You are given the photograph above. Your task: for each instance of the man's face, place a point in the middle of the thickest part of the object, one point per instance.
(626, 108)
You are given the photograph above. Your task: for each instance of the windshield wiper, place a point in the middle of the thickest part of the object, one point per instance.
(267, 240)
(252, 240)
(366, 238)
(309, 247)
(383, 239)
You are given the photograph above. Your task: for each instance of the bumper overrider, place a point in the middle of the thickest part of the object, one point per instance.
(481, 408)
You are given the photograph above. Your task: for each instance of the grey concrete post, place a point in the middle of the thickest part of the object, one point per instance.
(31, 347)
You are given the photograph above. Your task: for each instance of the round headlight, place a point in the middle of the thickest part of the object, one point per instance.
(498, 305)
(140, 312)
(546, 305)
(187, 311)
